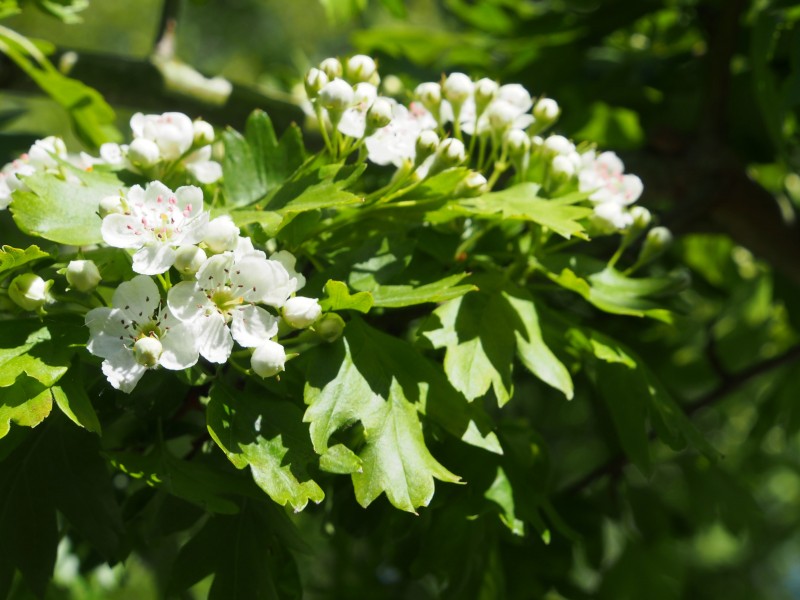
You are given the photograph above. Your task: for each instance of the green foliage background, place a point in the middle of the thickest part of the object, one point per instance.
(700, 98)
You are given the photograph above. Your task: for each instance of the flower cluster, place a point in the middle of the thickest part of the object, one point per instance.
(496, 129)
(44, 155)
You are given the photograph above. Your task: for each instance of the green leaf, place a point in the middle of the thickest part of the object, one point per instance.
(521, 202)
(26, 402)
(63, 211)
(72, 399)
(257, 162)
(270, 437)
(381, 382)
(248, 554)
(478, 335)
(611, 291)
(202, 485)
(502, 494)
(397, 296)
(531, 348)
(482, 332)
(13, 258)
(58, 468)
(340, 459)
(337, 297)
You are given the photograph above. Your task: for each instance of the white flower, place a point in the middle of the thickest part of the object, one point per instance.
(336, 95)
(10, 181)
(44, 152)
(315, 80)
(203, 132)
(604, 177)
(155, 222)
(485, 91)
(301, 312)
(83, 275)
(396, 142)
(546, 110)
(137, 333)
(558, 144)
(331, 67)
(288, 260)
(172, 132)
(113, 154)
(562, 167)
(221, 302)
(354, 119)
(457, 88)
(189, 259)
(268, 359)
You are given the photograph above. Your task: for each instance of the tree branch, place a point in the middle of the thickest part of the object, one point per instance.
(613, 467)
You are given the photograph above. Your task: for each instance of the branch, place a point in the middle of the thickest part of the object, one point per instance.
(614, 466)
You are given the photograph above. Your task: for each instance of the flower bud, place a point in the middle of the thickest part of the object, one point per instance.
(189, 259)
(430, 95)
(485, 92)
(83, 275)
(473, 185)
(393, 86)
(452, 151)
(315, 80)
(546, 111)
(221, 234)
(147, 350)
(203, 133)
(268, 359)
(111, 205)
(301, 312)
(641, 217)
(379, 114)
(330, 327)
(427, 143)
(331, 67)
(656, 242)
(562, 168)
(360, 68)
(143, 152)
(29, 291)
(518, 144)
(558, 144)
(336, 95)
(457, 88)
(501, 115)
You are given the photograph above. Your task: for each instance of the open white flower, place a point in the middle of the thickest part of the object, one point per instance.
(354, 119)
(172, 132)
(137, 334)
(221, 303)
(396, 142)
(156, 221)
(604, 176)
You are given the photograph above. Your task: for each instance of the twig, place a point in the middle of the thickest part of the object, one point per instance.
(615, 465)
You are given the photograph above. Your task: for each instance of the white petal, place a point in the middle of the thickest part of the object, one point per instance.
(190, 197)
(353, 123)
(179, 349)
(122, 370)
(156, 190)
(186, 301)
(122, 231)
(251, 326)
(153, 259)
(214, 341)
(288, 260)
(205, 172)
(215, 271)
(137, 299)
(632, 188)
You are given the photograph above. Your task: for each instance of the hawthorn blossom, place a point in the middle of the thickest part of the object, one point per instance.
(220, 304)
(604, 176)
(354, 119)
(172, 132)
(396, 142)
(137, 334)
(155, 221)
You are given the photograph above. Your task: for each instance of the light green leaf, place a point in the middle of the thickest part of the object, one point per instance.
(381, 382)
(479, 341)
(337, 297)
(340, 459)
(396, 296)
(61, 211)
(521, 202)
(531, 348)
(502, 494)
(611, 291)
(13, 258)
(27, 403)
(269, 436)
